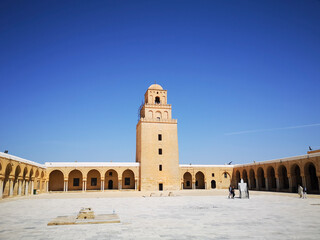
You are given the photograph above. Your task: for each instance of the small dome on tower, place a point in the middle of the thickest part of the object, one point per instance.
(156, 87)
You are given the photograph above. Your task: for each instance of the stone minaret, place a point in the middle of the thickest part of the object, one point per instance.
(157, 143)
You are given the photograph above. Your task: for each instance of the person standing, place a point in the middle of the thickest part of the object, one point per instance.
(305, 192)
(300, 190)
(232, 192)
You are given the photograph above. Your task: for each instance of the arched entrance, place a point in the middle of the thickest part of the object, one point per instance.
(93, 180)
(128, 181)
(187, 181)
(245, 176)
(261, 179)
(200, 180)
(283, 178)
(237, 179)
(311, 178)
(296, 177)
(56, 181)
(6, 182)
(16, 180)
(24, 179)
(213, 184)
(271, 176)
(252, 179)
(111, 179)
(110, 184)
(75, 180)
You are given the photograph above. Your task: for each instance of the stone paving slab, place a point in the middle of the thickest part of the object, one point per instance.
(182, 217)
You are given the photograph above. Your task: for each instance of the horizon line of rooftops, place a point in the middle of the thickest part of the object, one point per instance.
(136, 164)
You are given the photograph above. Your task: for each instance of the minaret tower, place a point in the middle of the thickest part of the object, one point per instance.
(157, 143)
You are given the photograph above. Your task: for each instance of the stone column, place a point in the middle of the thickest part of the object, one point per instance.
(85, 185)
(135, 185)
(1, 188)
(19, 187)
(102, 185)
(10, 187)
(304, 182)
(47, 186)
(249, 183)
(267, 184)
(278, 184)
(32, 187)
(193, 185)
(181, 186)
(120, 184)
(257, 184)
(205, 185)
(27, 188)
(290, 183)
(66, 185)
(23, 191)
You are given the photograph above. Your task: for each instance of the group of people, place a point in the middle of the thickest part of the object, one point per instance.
(302, 191)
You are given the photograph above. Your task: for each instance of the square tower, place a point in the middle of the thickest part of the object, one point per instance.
(157, 143)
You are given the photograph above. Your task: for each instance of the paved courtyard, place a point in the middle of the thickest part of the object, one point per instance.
(264, 216)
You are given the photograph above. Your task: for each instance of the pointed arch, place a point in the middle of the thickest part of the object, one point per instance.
(200, 181)
(187, 181)
(111, 179)
(75, 180)
(56, 181)
(128, 180)
(271, 176)
(93, 180)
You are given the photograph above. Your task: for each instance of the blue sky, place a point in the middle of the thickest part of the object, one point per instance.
(243, 77)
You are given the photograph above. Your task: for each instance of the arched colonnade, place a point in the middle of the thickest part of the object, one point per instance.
(205, 179)
(21, 178)
(81, 179)
(280, 176)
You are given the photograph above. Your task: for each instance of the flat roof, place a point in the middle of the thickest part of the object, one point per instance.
(280, 159)
(92, 164)
(199, 165)
(8, 156)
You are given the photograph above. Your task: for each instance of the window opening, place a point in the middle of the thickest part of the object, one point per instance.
(160, 137)
(94, 181)
(76, 182)
(160, 167)
(127, 181)
(157, 100)
(160, 151)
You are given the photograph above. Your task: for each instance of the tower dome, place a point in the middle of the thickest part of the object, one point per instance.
(155, 87)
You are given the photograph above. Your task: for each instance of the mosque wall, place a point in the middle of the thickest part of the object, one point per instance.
(283, 175)
(157, 165)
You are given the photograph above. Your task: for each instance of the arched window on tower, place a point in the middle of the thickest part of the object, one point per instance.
(157, 100)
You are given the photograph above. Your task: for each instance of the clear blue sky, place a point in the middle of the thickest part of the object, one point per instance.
(73, 74)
